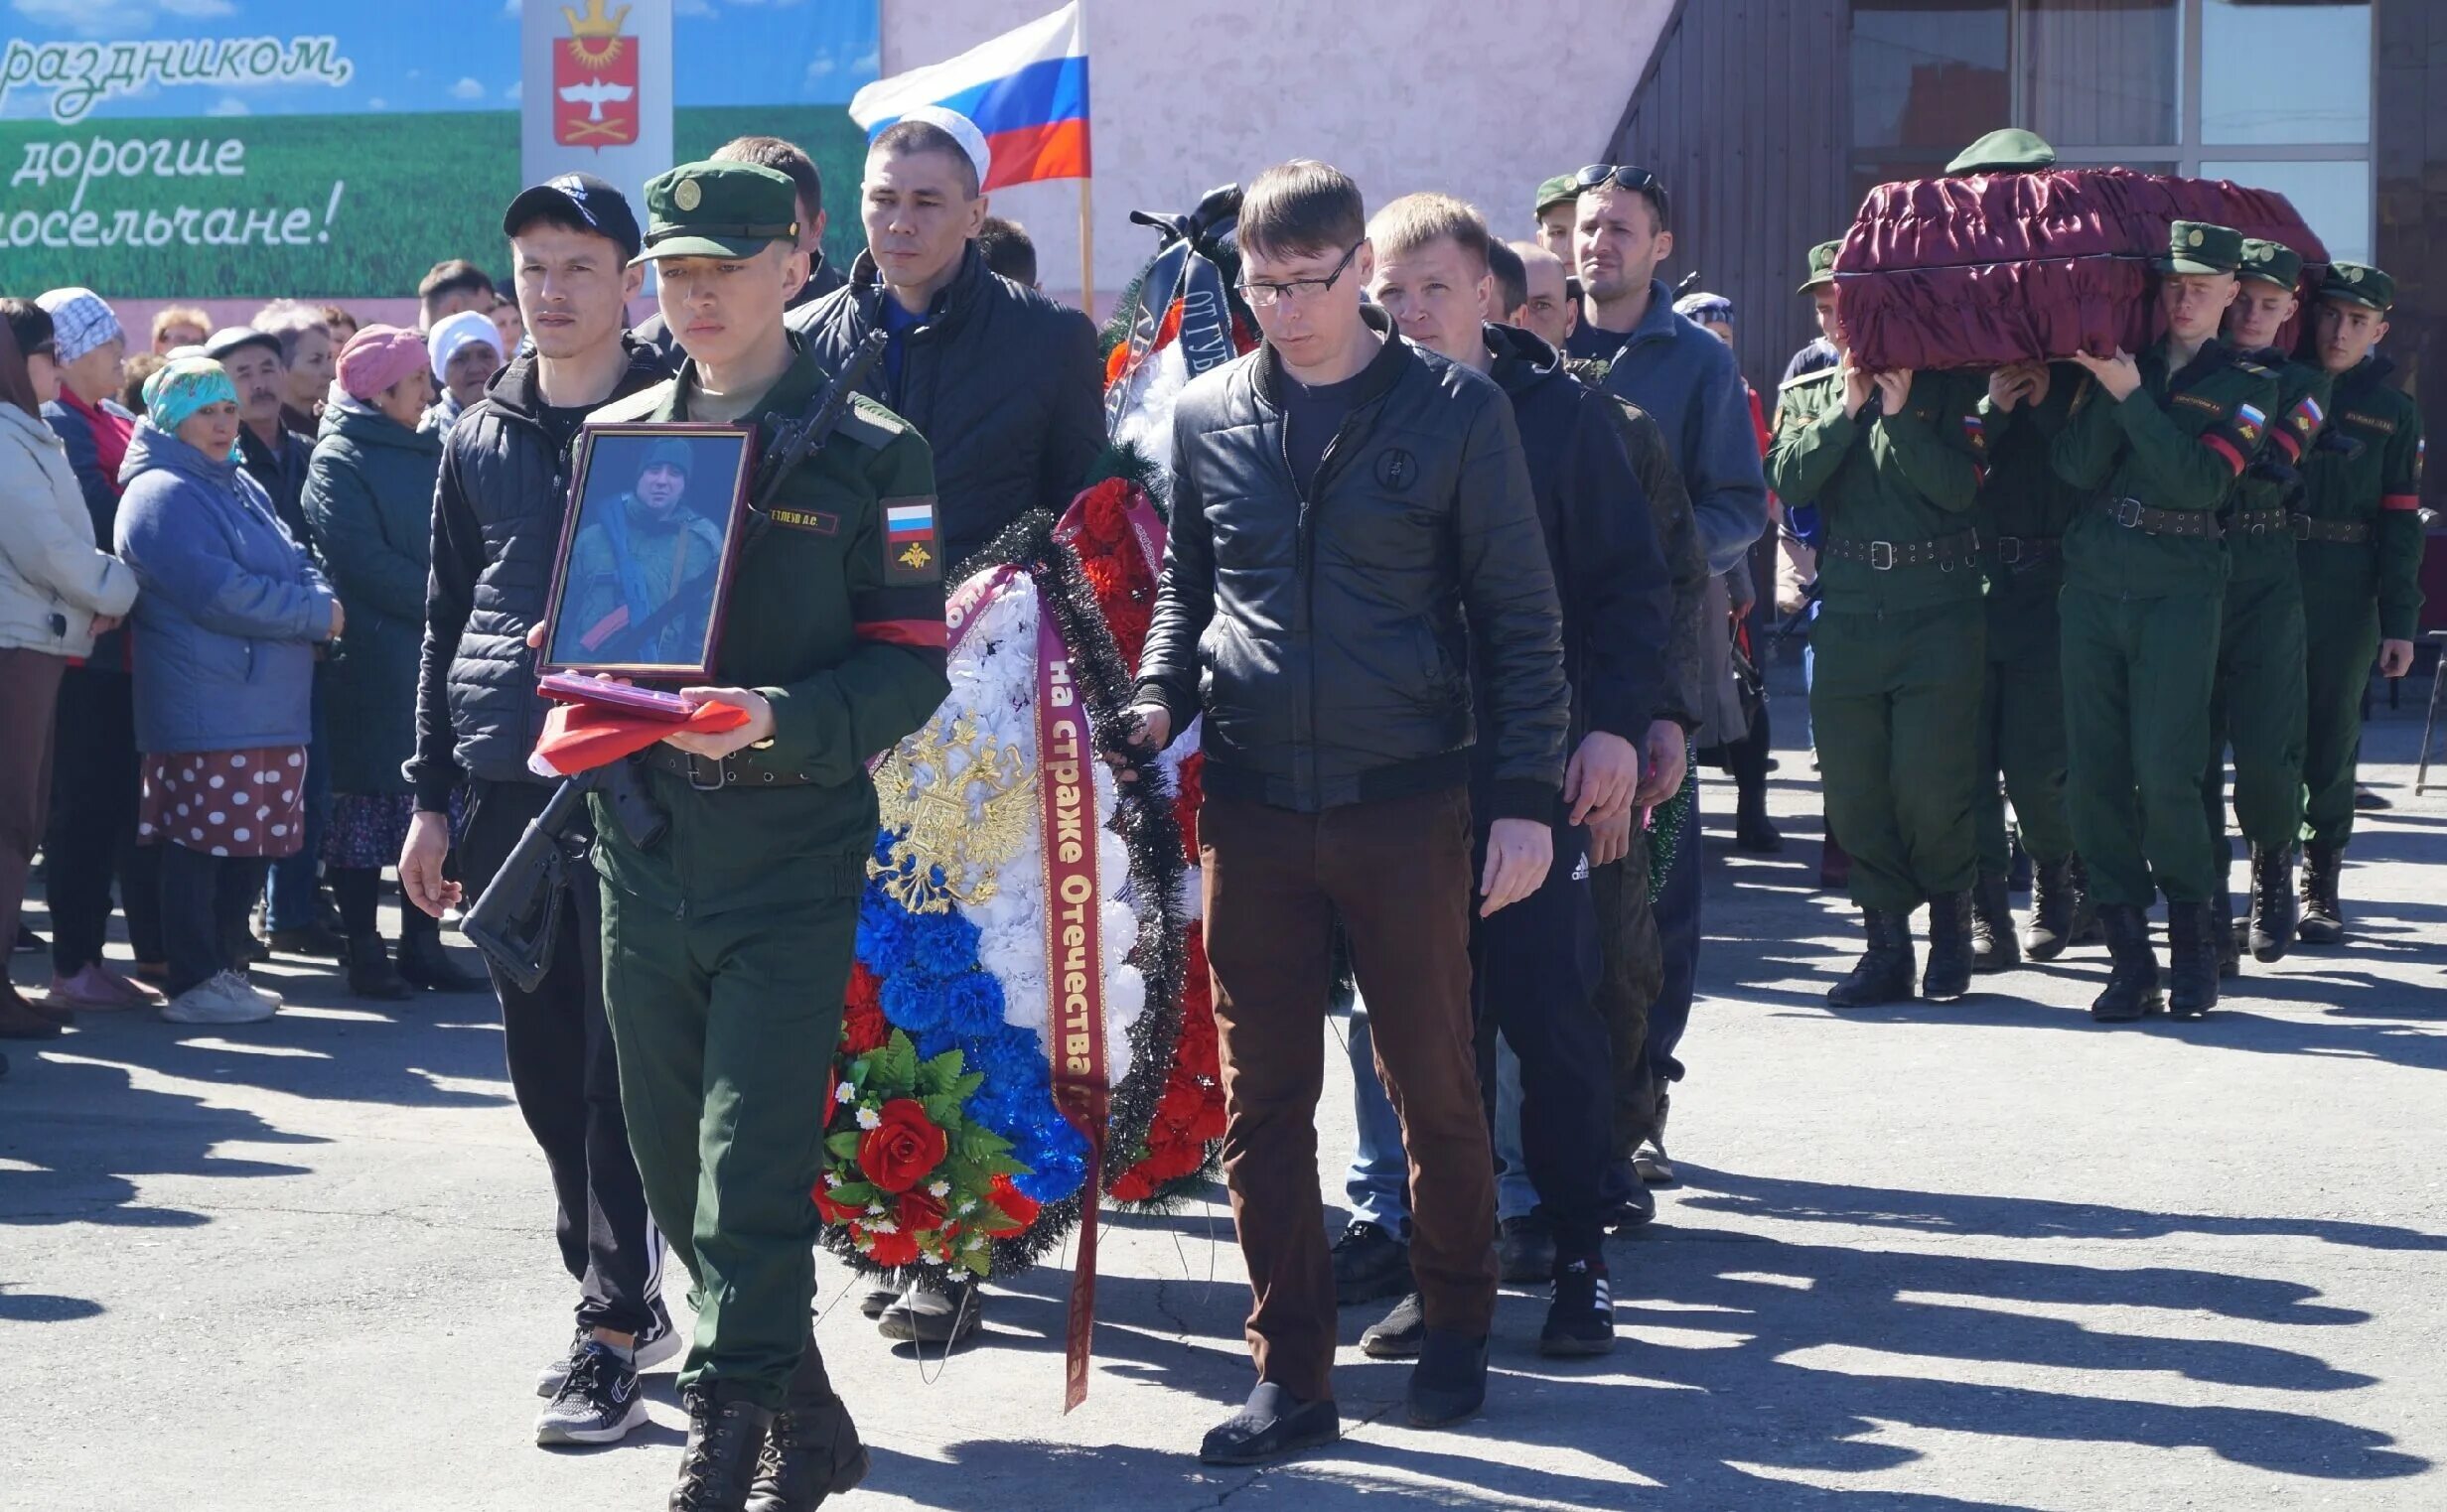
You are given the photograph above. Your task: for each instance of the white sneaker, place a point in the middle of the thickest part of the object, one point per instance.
(243, 987)
(213, 1001)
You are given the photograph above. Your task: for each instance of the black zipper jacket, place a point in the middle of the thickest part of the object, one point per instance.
(1327, 637)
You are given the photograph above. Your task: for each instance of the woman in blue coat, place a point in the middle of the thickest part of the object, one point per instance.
(225, 629)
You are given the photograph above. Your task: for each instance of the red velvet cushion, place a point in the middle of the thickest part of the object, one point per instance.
(1994, 268)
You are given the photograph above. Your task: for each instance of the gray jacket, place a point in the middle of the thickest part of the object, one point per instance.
(53, 579)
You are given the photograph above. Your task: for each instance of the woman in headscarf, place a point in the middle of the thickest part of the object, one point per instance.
(368, 499)
(466, 352)
(227, 624)
(56, 593)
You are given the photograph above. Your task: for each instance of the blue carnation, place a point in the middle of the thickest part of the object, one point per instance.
(974, 1003)
(883, 934)
(943, 946)
(914, 1002)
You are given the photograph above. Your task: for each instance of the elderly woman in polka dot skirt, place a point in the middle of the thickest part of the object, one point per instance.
(225, 627)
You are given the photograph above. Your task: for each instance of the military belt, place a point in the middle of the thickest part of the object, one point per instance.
(2188, 524)
(2331, 532)
(1945, 552)
(2022, 553)
(741, 768)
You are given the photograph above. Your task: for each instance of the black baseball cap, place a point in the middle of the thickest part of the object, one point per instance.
(597, 204)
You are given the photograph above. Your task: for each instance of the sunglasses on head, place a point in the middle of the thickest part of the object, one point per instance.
(1624, 175)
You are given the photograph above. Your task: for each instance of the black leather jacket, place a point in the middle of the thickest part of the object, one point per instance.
(497, 523)
(1004, 384)
(1325, 637)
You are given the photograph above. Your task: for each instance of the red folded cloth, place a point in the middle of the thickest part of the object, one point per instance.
(580, 737)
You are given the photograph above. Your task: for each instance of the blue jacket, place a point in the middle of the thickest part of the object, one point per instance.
(1688, 381)
(230, 607)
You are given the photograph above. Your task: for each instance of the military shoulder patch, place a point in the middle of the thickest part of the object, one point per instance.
(869, 422)
(911, 552)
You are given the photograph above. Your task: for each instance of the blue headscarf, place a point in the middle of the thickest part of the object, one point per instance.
(179, 388)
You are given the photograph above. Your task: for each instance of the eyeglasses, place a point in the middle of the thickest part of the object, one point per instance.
(1637, 180)
(1265, 296)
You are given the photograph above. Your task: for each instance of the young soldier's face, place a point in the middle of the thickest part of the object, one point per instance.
(574, 288)
(2260, 312)
(1555, 228)
(1436, 294)
(2344, 332)
(1822, 300)
(720, 307)
(2195, 303)
(1618, 244)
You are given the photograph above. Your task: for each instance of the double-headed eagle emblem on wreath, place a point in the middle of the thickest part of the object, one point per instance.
(957, 801)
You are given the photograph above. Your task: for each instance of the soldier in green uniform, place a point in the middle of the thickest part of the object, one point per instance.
(2159, 441)
(2257, 704)
(1892, 462)
(727, 944)
(2361, 542)
(643, 549)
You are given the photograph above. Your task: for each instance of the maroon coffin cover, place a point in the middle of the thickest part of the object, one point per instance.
(1994, 268)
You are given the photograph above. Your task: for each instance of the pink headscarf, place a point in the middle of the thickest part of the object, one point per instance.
(377, 358)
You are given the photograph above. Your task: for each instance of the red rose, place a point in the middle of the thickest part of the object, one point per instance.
(902, 1150)
(833, 1212)
(890, 1249)
(1016, 1205)
(920, 1212)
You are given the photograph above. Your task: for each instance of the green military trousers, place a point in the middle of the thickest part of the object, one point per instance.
(2257, 706)
(2137, 679)
(2022, 730)
(2341, 639)
(1893, 708)
(725, 1026)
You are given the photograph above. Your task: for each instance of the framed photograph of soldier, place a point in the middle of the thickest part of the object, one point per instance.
(643, 573)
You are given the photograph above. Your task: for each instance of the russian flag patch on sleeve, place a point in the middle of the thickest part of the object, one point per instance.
(911, 554)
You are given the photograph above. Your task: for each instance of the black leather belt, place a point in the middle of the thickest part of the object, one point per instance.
(2021, 553)
(1883, 556)
(2270, 521)
(2333, 532)
(2185, 524)
(741, 768)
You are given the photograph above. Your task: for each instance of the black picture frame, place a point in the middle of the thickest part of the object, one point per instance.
(609, 587)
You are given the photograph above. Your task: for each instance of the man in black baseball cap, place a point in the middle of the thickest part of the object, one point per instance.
(497, 511)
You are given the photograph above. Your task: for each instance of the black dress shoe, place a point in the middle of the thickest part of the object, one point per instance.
(1273, 1424)
(1449, 1383)
(1398, 1334)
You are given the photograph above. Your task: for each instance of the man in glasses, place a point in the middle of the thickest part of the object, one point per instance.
(1349, 513)
(1688, 381)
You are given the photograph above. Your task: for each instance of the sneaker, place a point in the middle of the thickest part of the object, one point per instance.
(99, 989)
(1369, 1263)
(599, 1403)
(929, 1316)
(245, 985)
(1581, 1319)
(1525, 1251)
(658, 1345)
(1398, 1334)
(223, 999)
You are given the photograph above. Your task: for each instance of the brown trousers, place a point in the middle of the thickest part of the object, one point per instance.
(1398, 875)
(29, 701)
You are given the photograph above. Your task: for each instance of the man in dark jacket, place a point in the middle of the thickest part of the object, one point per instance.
(1004, 384)
(497, 523)
(1341, 501)
(1537, 965)
(790, 160)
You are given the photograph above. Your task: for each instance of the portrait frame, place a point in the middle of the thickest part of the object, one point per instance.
(592, 621)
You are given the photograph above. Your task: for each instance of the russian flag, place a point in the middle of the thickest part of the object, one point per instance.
(1026, 89)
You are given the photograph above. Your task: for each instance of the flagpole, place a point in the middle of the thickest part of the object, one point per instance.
(1087, 247)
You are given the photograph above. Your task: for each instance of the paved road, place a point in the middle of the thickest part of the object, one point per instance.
(1980, 1254)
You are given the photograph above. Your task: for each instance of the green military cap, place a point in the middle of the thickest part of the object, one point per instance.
(670, 451)
(2012, 150)
(718, 209)
(2196, 246)
(2361, 284)
(2272, 263)
(1555, 192)
(1821, 264)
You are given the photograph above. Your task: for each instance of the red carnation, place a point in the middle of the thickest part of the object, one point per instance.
(1102, 517)
(890, 1249)
(1018, 1205)
(919, 1212)
(835, 1212)
(904, 1149)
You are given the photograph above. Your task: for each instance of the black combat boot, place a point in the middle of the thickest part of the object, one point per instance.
(2273, 909)
(2323, 921)
(812, 1450)
(1994, 946)
(1884, 972)
(2132, 983)
(2052, 910)
(2193, 931)
(1950, 946)
(2085, 928)
(726, 1438)
(2227, 938)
